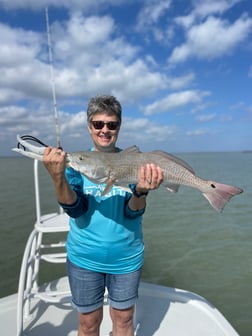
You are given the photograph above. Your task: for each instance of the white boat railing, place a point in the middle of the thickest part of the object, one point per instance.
(28, 288)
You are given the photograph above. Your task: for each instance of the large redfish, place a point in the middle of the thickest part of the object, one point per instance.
(123, 167)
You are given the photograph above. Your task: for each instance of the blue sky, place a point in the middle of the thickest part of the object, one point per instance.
(181, 69)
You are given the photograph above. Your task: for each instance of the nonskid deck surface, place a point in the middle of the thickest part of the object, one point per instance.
(160, 311)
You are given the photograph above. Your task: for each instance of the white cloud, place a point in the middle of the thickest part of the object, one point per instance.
(142, 131)
(250, 72)
(7, 95)
(204, 105)
(84, 34)
(249, 110)
(94, 53)
(73, 123)
(40, 123)
(101, 62)
(21, 120)
(21, 73)
(179, 82)
(212, 39)
(69, 4)
(74, 134)
(206, 117)
(150, 15)
(128, 83)
(204, 8)
(239, 105)
(197, 132)
(226, 118)
(175, 100)
(17, 42)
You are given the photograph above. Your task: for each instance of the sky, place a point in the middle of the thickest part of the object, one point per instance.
(182, 70)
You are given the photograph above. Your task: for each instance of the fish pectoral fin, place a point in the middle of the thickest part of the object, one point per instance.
(172, 187)
(125, 188)
(108, 187)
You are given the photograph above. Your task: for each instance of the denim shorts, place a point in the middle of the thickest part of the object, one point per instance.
(88, 288)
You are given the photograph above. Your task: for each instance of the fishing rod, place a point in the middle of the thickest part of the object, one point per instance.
(56, 116)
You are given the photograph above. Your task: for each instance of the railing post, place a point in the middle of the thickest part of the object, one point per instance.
(37, 194)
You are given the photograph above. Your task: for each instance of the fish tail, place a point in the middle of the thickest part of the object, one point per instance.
(220, 194)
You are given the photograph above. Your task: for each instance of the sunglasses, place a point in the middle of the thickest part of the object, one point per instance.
(99, 124)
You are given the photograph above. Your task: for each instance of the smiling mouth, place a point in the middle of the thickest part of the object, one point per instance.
(105, 136)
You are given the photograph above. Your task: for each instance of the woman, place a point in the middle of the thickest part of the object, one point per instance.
(104, 245)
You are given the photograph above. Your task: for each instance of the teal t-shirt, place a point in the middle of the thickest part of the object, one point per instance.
(106, 236)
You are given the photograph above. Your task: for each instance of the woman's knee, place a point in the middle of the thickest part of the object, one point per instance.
(89, 323)
(122, 318)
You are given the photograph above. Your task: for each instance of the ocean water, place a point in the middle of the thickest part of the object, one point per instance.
(188, 245)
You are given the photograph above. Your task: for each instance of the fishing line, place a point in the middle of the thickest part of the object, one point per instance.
(56, 117)
(30, 138)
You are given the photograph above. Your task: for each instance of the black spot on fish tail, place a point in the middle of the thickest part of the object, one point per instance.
(220, 194)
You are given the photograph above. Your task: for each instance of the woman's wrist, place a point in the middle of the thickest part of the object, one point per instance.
(139, 192)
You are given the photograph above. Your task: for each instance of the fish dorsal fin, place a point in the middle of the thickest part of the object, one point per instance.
(175, 159)
(131, 149)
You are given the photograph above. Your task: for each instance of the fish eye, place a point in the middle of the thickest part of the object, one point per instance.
(81, 158)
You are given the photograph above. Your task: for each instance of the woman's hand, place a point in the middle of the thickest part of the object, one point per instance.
(150, 177)
(54, 161)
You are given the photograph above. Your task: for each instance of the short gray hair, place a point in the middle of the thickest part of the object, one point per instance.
(104, 104)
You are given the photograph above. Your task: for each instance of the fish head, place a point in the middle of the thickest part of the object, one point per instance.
(89, 164)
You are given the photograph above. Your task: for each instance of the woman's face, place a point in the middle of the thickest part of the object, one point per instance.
(104, 129)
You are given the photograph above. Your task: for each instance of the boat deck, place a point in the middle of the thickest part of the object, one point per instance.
(160, 311)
